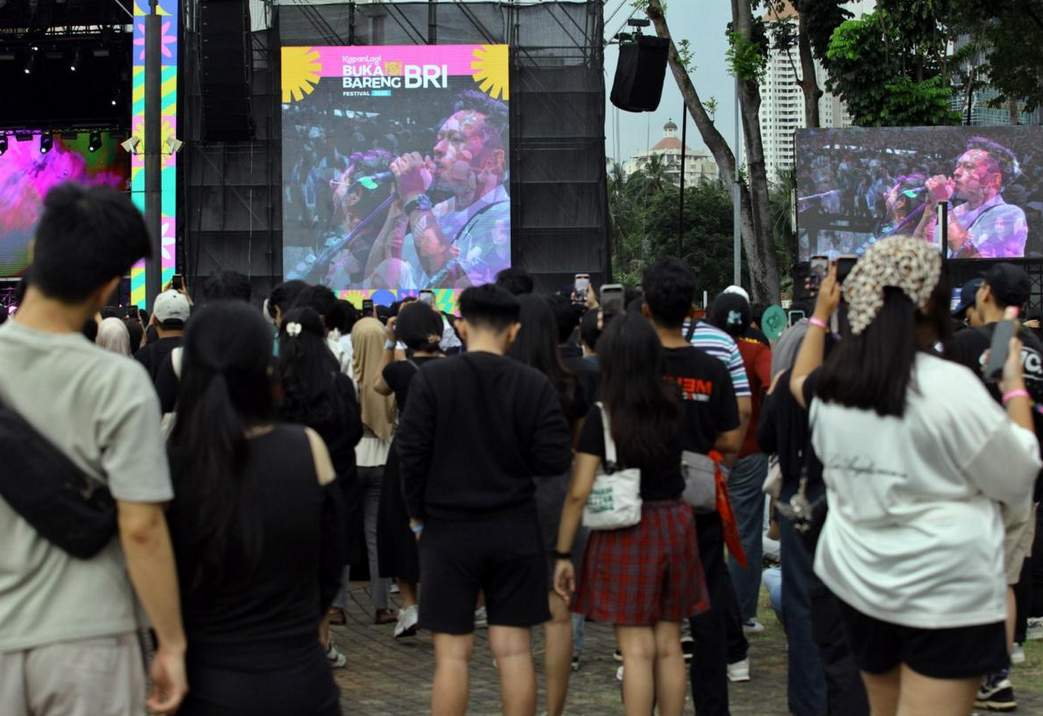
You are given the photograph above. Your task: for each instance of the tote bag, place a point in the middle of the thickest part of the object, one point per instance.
(615, 500)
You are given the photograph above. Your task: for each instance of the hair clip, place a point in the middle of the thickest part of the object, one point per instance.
(293, 329)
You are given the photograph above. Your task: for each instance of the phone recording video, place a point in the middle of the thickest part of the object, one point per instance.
(367, 307)
(612, 299)
(844, 266)
(426, 296)
(580, 288)
(819, 269)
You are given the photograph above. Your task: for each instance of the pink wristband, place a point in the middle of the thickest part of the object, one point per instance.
(816, 321)
(1012, 394)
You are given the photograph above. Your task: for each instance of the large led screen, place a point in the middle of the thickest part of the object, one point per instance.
(395, 167)
(27, 174)
(856, 186)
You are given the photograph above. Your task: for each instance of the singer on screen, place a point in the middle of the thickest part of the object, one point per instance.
(465, 239)
(984, 225)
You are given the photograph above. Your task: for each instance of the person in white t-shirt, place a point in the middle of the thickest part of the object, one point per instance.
(918, 459)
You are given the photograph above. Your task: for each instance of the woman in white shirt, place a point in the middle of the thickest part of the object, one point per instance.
(918, 458)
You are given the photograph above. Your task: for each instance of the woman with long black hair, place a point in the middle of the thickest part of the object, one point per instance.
(314, 392)
(917, 460)
(645, 579)
(255, 527)
(537, 346)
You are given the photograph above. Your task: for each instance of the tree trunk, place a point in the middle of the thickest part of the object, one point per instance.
(760, 243)
(808, 79)
(756, 232)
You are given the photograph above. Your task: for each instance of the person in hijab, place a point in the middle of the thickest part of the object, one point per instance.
(371, 455)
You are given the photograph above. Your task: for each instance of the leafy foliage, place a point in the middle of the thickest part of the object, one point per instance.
(889, 74)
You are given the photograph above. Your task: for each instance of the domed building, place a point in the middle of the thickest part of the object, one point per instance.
(699, 165)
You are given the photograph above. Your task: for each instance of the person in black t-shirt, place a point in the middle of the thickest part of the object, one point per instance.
(645, 579)
(711, 422)
(170, 310)
(419, 327)
(477, 428)
(1008, 285)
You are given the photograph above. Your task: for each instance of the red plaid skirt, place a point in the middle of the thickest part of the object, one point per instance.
(644, 574)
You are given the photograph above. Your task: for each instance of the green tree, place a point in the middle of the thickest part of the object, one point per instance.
(890, 67)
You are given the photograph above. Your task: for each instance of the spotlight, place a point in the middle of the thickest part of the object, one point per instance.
(174, 145)
(130, 145)
(30, 64)
(75, 63)
(46, 143)
(94, 143)
(3, 144)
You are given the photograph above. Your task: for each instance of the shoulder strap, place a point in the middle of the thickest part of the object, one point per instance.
(610, 444)
(691, 330)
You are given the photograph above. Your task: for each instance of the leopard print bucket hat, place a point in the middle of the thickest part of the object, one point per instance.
(905, 263)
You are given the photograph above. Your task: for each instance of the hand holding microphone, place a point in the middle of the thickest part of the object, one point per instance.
(940, 188)
(413, 174)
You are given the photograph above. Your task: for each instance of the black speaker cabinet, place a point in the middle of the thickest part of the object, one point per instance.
(638, 85)
(225, 85)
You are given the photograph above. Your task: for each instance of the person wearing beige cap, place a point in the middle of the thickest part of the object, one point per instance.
(170, 311)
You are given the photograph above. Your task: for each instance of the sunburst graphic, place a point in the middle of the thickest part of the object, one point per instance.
(300, 72)
(491, 70)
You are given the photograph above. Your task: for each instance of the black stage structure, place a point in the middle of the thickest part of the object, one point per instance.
(230, 187)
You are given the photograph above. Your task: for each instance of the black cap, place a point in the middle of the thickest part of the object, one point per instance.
(1009, 284)
(968, 297)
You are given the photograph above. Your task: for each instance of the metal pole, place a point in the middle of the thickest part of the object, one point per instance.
(684, 156)
(943, 226)
(153, 156)
(736, 214)
(432, 22)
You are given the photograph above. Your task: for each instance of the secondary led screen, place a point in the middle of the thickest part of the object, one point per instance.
(856, 186)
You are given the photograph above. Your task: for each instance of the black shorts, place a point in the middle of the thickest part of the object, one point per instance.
(502, 557)
(956, 653)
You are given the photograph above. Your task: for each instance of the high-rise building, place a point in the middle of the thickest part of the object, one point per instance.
(782, 103)
(977, 110)
(698, 163)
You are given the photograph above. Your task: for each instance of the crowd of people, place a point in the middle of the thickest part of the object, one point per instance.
(539, 460)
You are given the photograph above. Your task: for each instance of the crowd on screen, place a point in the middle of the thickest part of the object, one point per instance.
(539, 460)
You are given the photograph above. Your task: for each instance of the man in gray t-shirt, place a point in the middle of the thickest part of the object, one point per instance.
(67, 626)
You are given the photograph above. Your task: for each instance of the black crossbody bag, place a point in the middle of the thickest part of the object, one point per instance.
(69, 508)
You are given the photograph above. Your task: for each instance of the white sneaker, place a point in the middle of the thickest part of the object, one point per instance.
(739, 671)
(1017, 654)
(481, 619)
(1035, 629)
(619, 674)
(407, 622)
(752, 626)
(335, 658)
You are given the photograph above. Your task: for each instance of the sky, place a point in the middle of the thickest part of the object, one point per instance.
(704, 28)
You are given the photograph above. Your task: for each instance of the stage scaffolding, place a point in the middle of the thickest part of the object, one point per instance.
(230, 215)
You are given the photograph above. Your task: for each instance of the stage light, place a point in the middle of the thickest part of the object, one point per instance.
(46, 143)
(94, 142)
(174, 145)
(3, 144)
(130, 145)
(30, 64)
(75, 61)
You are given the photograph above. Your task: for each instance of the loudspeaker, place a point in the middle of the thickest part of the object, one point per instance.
(640, 71)
(224, 27)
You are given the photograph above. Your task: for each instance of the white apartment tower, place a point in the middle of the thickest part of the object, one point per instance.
(782, 104)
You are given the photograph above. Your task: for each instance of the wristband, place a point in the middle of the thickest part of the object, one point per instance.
(562, 555)
(389, 345)
(421, 203)
(818, 322)
(1012, 394)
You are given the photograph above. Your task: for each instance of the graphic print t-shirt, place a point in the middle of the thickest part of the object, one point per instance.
(707, 395)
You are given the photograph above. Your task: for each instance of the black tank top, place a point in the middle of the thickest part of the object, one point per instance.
(268, 617)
